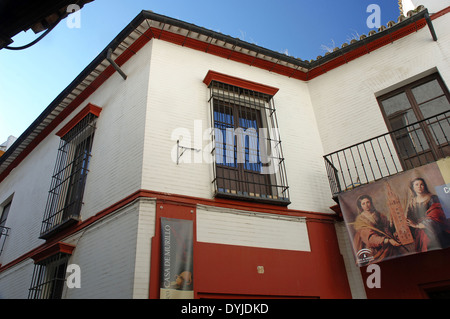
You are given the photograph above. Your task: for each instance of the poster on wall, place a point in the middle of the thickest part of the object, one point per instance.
(176, 276)
(405, 214)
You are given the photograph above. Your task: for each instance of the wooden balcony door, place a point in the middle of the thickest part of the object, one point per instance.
(418, 115)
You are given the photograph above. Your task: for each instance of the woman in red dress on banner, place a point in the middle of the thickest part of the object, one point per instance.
(428, 223)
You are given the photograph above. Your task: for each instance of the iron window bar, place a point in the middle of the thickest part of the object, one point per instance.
(4, 233)
(67, 187)
(247, 150)
(49, 277)
(388, 154)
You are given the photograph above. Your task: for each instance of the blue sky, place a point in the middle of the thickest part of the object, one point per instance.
(32, 78)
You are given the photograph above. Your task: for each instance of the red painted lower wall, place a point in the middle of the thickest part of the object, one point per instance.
(409, 277)
(227, 271)
(232, 270)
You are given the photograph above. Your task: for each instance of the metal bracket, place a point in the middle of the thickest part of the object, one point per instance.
(184, 149)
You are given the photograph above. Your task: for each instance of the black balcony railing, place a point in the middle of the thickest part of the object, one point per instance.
(4, 233)
(411, 146)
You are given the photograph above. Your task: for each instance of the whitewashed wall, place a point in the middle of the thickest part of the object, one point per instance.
(145, 232)
(232, 227)
(178, 97)
(117, 154)
(345, 99)
(115, 168)
(114, 254)
(355, 280)
(29, 184)
(432, 5)
(115, 172)
(15, 282)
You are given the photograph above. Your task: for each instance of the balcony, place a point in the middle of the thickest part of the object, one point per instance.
(411, 146)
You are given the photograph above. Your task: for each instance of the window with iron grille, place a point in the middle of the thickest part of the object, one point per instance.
(249, 162)
(418, 115)
(4, 231)
(49, 277)
(67, 187)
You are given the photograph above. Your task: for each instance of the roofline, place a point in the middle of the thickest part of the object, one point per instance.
(364, 40)
(283, 57)
(226, 38)
(307, 69)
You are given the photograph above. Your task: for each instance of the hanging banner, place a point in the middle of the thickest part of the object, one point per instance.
(176, 279)
(404, 214)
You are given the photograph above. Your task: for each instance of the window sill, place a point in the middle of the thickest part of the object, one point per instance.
(60, 227)
(244, 196)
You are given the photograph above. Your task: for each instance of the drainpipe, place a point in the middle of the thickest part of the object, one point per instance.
(430, 26)
(114, 64)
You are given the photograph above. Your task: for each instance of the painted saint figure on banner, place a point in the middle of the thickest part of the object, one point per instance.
(425, 217)
(412, 214)
(375, 234)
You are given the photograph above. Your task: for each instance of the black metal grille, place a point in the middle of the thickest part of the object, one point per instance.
(4, 233)
(411, 146)
(69, 178)
(49, 277)
(249, 161)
